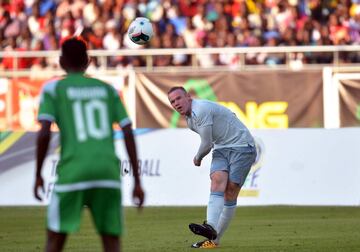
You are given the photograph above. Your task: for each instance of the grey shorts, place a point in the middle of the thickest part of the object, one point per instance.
(236, 161)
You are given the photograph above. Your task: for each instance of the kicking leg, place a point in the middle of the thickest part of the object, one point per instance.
(214, 208)
(216, 200)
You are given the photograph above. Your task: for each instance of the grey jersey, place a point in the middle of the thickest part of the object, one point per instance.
(227, 129)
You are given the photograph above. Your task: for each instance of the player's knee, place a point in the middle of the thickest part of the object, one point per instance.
(218, 184)
(232, 191)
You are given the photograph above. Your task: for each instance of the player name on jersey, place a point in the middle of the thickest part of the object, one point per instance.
(77, 93)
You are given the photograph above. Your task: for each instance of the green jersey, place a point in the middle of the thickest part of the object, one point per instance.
(84, 110)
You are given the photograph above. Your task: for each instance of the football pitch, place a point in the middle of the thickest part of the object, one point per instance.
(157, 229)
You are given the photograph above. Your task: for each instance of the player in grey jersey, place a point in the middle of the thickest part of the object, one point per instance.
(233, 154)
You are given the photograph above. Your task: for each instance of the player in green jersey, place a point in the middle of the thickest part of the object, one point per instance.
(88, 173)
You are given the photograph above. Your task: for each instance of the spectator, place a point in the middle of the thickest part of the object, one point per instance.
(96, 35)
(91, 13)
(12, 63)
(354, 27)
(180, 59)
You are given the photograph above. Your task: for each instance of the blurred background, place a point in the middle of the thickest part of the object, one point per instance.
(40, 25)
(192, 36)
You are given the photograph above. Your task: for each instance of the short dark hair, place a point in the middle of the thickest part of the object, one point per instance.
(74, 52)
(176, 88)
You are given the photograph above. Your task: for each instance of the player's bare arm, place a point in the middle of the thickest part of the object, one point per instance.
(138, 193)
(42, 145)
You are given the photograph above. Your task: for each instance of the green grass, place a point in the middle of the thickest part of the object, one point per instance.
(158, 229)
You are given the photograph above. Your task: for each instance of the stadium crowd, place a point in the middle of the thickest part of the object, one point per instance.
(33, 25)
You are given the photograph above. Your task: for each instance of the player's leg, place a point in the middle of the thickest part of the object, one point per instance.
(111, 243)
(216, 200)
(55, 241)
(214, 207)
(106, 210)
(227, 214)
(219, 178)
(241, 160)
(219, 175)
(63, 217)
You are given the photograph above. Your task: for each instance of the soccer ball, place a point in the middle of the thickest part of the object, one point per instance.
(140, 31)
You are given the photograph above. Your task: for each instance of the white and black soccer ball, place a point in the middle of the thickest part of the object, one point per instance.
(140, 31)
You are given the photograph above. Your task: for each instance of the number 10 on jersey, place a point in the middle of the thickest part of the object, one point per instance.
(91, 119)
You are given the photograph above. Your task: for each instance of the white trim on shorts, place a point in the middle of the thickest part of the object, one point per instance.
(88, 185)
(124, 122)
(53, 216)
(218, 146)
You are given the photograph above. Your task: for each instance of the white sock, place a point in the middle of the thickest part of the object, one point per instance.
(214, 208)
(225, 218)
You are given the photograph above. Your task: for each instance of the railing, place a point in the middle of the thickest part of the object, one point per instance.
(149, 54)
(335, 67)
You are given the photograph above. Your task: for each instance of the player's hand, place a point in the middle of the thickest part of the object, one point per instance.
(197, 162)
(138, 196)
(39, 184)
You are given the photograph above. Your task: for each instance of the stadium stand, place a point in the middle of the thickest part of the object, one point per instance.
(40, 25)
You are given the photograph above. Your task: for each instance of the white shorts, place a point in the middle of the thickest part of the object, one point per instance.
(237, 161)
